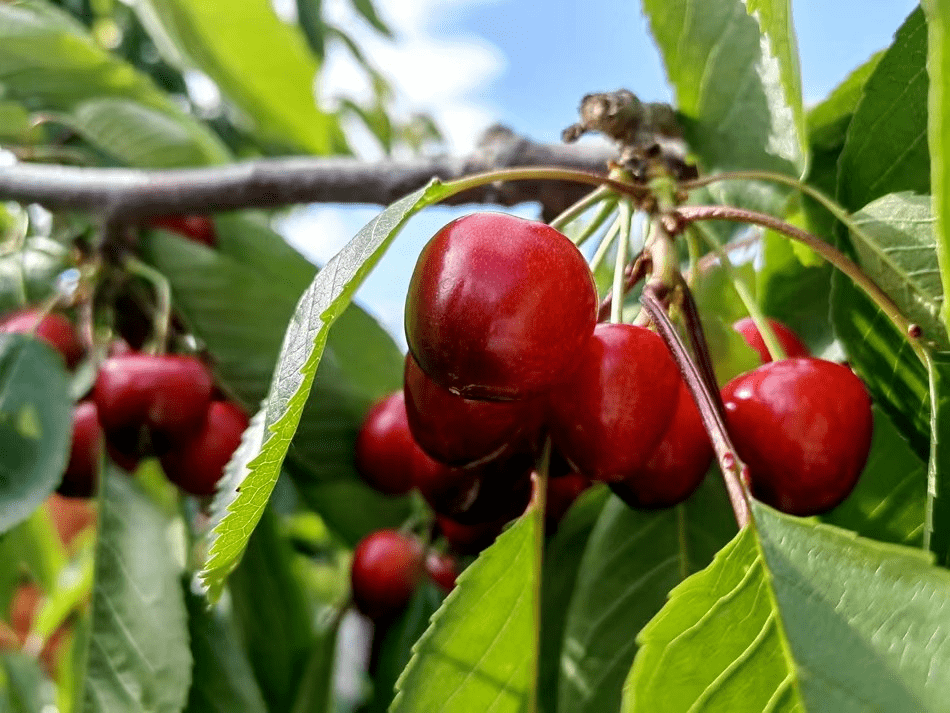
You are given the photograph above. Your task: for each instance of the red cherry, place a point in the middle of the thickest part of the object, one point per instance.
(610, 415)
(562, 492)
(53, 328)
(469, 539)
(456, 430)
(499, 307)
(791, 344)
(386, 568)
(677, 466)
(385, 449)
(442, 569)
(197, 464)
(499, 489)
(197, 228)
(803, 427)
(70, 516)
(167, 393)
(79, 480)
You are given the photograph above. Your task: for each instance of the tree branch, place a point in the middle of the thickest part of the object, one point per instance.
(136, 194)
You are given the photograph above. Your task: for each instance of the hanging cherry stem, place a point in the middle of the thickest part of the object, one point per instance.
(620, 265)
(707, 403)
(163, 300)
(690, 214)
(697, 339)
(580, 207)
(633, 273)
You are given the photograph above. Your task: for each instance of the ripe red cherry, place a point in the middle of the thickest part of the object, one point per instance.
(197, 228)
(499, 307)
(677, 465)
(789, 341)
(53, 328)
(803, 427)
(499, 489)
(197, 464)
(610, 415)
(386, 568)
(385, 449)
(456, 430)
(562, 492)
(442, 569)
(469, 539)
(79, 480)
(167, 393)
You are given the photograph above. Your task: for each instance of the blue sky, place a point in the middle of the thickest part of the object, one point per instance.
(526, 64)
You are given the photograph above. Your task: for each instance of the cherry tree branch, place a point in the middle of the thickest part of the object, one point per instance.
(136, 194)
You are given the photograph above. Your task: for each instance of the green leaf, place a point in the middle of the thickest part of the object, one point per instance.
(397, 641)
(310, 19)
(222, 680)
(937, 530)
(272, 613)
(736, 80)
(631, 562)
(886, 148)
(138, 657)
(23, 686)
(938, 68)
(796, 616)
(321, 305)
(368, 11)
(137, 135)
(36, 420)
(315, 692)
(480, 651)
(28, 276)
(890, 498)
(272, 76)
(48, 61)
(900, 255)
(562, 561)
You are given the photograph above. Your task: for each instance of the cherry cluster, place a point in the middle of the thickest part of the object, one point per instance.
(141, 405)
(505, 352)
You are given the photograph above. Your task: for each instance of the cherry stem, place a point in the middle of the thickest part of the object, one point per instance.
(633, 273)
(163, 299)
(632, 190)
(606, 210)
(752, 307)
(620, 265)
(571, 213)
(697, 339)
(604, 246)
(706, 402)
(911, 332)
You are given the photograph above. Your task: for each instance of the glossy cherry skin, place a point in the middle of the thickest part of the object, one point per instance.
(53, 328)
(789, 341)
(677, 465)
(385, 450)
(610, 415)
(499, 307)
(456, 430)
(803, 427)
(495, 490)
(469, 539)
(197, 228)
(442, 569)
(197, 464)
(79, 480)
(167, 393)
(386, 568)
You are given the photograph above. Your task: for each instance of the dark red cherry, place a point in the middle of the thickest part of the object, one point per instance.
(167, 393)
(499, 489)
(442, 569)
(678, 463)
(53, 328)
(562, 492)
(197, 464)
(456, 430)
(803, 427)
(79, 480)
(385, 449)
(469, 539)
(610, 415)
(386, 568)
(789, 341)
(197, 228)
(499, 307)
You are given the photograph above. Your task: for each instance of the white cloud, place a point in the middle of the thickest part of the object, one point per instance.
(445, 76)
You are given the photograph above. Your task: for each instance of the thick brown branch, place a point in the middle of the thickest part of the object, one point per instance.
(134, 194)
